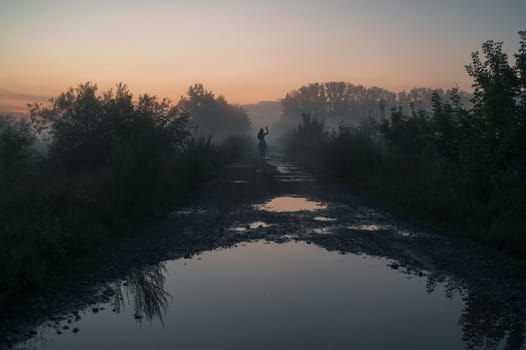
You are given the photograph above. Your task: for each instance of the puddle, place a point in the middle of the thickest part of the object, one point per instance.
(239, 229)
(284, 168)
(321, 231)
(324, 219)
(373, 227)
(189, 212)
(406, 233)
(297, 179)
(289, 172)
(252, 226)
(282, 296)
(239, 181)
(258, 224)
(380, 227)
(290, 204)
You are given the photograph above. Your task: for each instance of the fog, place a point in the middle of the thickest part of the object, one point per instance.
(264, 113)
(334, 103)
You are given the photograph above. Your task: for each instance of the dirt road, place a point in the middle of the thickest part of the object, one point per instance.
(273, 199)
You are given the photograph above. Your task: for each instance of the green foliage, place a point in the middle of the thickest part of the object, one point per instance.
(78, 126)
(211, 115)
(113, 164)
(456, 167)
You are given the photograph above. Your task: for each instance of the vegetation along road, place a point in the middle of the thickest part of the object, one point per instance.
(254, 202)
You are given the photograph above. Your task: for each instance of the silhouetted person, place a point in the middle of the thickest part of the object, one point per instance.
(262, 145)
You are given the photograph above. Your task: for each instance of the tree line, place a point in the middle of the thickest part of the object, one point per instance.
(460, 166)
(336, 102)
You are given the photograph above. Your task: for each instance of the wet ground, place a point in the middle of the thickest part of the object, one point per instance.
(271, 257)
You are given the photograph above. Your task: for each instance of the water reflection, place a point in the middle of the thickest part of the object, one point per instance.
(290, 204)
(207, 289)
(288, 172)
(324, 219)
(486, 323)
(251, 226)
(321, 230)
(258, 224)
(144, 290)
(450, 287)
(370, 227)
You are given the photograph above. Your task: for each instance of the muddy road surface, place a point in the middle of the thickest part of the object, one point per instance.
(270, 257)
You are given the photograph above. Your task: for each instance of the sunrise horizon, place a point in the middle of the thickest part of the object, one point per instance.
(246, 51)
(17, 101)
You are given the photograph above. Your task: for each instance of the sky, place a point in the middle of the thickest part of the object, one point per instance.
(246, 50)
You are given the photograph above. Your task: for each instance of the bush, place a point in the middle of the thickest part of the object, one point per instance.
(113, 164)
(462, 169)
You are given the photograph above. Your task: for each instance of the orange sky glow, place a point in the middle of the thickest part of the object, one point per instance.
(247, 51)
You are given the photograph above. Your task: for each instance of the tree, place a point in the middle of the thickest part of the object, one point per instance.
(80, 129)
(496, 90)
(210, 115)
(86, 128)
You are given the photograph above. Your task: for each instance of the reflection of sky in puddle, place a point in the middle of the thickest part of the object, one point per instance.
(324, 219)
(296, 295)
(190, 212)
(290, 204)
(382, 227)
(238, 229)
(370, 227)
(404, 233)
(285, 169)
(321, 231)
(297, 179)
(258, 224)
(252, 226)
(239, 181)
(290, 173)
